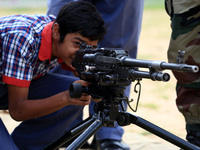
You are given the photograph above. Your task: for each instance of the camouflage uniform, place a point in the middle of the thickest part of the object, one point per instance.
(185, 24)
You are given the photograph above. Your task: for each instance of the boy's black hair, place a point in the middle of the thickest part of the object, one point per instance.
(82, 17)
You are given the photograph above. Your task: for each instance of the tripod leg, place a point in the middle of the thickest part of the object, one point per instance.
(159, 132)
(66, 137)
(78, 142)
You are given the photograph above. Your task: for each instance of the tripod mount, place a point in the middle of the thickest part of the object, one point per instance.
(110, 71)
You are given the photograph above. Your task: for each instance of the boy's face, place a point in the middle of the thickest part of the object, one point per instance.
(66, 50)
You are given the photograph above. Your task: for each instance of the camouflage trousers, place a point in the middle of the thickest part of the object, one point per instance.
(185, 36)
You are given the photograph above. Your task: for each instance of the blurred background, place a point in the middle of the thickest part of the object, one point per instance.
(157, 101)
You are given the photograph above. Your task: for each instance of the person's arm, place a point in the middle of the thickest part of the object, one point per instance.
(20, 108)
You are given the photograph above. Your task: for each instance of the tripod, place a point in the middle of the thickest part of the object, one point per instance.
(107, 112)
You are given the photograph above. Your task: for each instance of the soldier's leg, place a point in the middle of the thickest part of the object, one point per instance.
(188, 103)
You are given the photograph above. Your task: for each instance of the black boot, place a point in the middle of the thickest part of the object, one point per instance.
(193, 137)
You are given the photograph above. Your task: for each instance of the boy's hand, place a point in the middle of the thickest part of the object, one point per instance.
(84, 99)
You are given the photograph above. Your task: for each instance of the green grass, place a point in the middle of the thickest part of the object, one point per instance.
(149, 105)
(145, 133)
(153, 4)
(22, 10)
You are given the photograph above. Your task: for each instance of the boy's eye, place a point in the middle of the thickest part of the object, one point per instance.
(80, 44)
(77, 43)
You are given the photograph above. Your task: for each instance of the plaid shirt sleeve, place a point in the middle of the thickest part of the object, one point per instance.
(17, 56)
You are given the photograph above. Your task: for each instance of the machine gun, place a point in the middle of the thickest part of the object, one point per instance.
(110, 71)
(112, 67)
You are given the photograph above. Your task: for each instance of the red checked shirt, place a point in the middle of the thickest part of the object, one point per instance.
(25, 48)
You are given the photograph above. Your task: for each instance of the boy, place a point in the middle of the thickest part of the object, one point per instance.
(30, 47)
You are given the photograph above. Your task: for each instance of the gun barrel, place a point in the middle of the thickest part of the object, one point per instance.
(158, 65)
(180, 67)
(155, 76)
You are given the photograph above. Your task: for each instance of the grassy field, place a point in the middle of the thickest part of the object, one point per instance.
(14, 11)
(10, 7)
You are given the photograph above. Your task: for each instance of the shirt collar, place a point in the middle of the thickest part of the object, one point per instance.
(45, 51)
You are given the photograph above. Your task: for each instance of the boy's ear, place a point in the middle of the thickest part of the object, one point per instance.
(55, 31)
